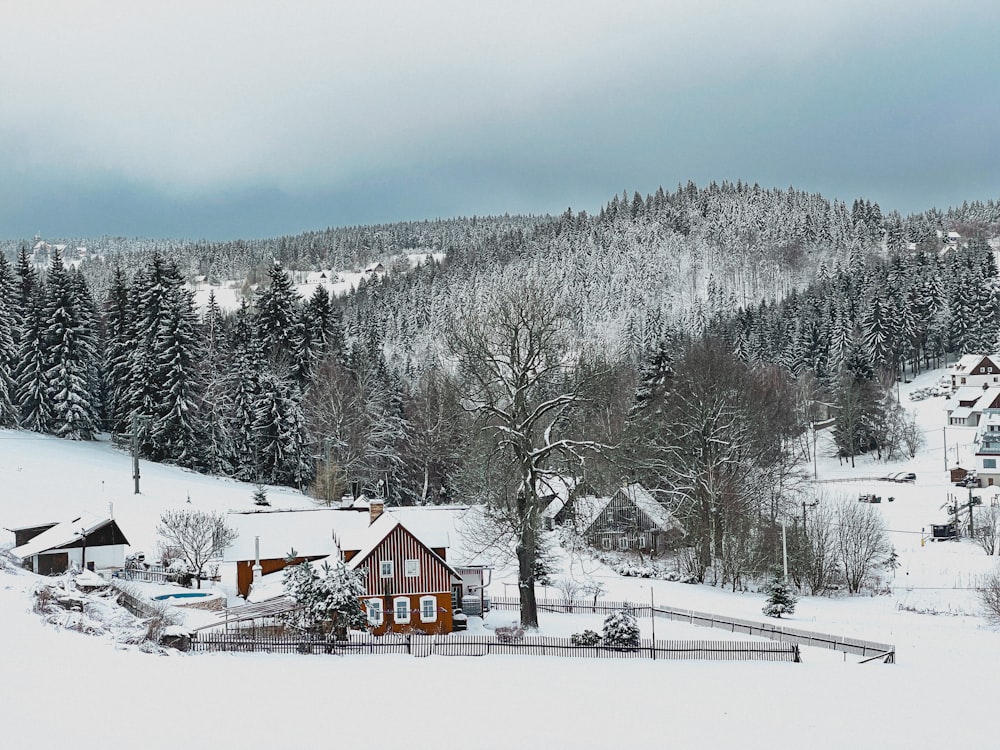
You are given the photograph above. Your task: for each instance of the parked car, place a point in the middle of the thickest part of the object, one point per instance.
(909, 477)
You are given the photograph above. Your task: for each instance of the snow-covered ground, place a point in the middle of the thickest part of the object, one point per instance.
(62, 688)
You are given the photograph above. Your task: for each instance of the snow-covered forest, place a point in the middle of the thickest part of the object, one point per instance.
(693, 339)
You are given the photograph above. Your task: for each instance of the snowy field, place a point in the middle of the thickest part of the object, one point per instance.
(64, 689)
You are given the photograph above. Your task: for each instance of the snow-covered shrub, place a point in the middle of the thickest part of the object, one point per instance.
(509, 633)
(780, 599)
(621, 629)
(989, 596)
(586, 638)
(329, 599)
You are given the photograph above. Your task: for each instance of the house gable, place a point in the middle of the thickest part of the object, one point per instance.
(430, 574)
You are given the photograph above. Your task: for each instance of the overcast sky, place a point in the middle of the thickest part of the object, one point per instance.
(211, 119)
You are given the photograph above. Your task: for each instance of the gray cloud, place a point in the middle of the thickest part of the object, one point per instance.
(230, 119)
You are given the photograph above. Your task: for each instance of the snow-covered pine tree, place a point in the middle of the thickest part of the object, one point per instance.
(90, 324)
(176, 431)
(780, 598)
(328, 597)
(31, 376)
(118, 344)
(260, 495)
(621, 629)
(69, 355)
(278, 433)
(215, 362)
(275, 317)
(8, 411)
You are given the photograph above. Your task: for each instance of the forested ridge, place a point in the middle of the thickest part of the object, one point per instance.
(688, 339)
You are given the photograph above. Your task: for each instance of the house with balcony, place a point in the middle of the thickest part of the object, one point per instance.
(988, 450)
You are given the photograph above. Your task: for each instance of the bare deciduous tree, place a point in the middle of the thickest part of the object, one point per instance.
(519, 378)
(820, 552)
(985, 528)
(989, 596)
(862, 542)
(198, 535)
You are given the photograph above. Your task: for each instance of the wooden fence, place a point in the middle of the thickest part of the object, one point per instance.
(452, 645)
(774, 632)
(133, 602)
(142, 574)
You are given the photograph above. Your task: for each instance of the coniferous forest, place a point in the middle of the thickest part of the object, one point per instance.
(691, 340)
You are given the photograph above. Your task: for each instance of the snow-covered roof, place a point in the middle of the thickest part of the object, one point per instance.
(60, 535)
(377, 532)
(309, 531)
(960, 412)
(967, 393)
(649, 505)
(558, 488)
(316, 532)
(588, 508)
(967, 362)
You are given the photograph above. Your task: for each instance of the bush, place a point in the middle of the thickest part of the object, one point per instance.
(586, 638)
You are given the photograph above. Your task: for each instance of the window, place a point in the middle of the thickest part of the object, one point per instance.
(989, 463)
(373, 607)
(401, 609)
(606, 543)
(428, 609)
(412, 568)
(622, 542)
(385, 568)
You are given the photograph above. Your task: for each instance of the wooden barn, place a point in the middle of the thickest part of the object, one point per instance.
(86, 541)
(631, 519)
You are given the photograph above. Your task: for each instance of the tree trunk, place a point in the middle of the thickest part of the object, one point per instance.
(526, 585)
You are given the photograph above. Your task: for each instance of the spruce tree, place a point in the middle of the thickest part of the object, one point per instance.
(8, 411)
(780, 598)
(69, 354)
(275, 317)
(621, 629)
(32, 385)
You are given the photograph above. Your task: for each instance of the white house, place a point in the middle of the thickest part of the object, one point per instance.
(975, 370)
(988, 451)
(968, 404)
(87, 542)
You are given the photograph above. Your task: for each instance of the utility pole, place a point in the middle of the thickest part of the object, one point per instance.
(784, 550)
(972, 523)
(944, 434)
(815, 474)
(134, 439)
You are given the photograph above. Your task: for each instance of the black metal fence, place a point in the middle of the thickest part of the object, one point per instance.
(452, 645)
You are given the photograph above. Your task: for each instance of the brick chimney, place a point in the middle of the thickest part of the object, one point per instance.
(375, 507)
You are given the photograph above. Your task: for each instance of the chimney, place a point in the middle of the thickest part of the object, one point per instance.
(257, 570)
(375, 508)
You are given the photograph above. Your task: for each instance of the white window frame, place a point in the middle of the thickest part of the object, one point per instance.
(395, 610)
(411, 568)
(623, 542)
(606, 542)
(432, 602)
(385, 568)
(374, 613)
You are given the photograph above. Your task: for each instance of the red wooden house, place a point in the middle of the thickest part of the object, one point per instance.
(408, 584)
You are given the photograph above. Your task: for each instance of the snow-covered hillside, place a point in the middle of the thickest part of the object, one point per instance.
(263, 701)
